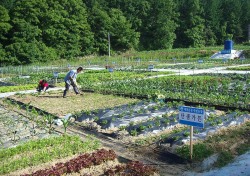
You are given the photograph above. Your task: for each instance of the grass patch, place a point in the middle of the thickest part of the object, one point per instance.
(224, 158)
(41, 151)
(200, 151)
(243, 148)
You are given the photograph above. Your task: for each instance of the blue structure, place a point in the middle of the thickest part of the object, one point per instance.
(228, 47)
(228, 52)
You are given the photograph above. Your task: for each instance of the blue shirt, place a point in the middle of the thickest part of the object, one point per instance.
(72, 74)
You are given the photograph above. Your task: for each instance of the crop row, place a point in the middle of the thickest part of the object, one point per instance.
(96, 158)
(89, 77)
(135, 118)
(201, 89)
(76, 164)
(35, 152)
(146, 117)
(17, 88)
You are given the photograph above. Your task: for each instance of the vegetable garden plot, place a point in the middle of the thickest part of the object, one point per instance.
(16, 128)
(54, 103)
(140, 110)
(133, 118)
(42, 153)
(33, 78)
(57, 149)
(208, 90)
(192, 65)
(34, 70)
(148, 118)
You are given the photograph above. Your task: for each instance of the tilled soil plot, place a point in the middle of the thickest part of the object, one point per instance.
(55, 104)
(16, 128)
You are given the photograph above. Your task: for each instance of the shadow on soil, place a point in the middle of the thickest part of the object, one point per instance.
(171, 158)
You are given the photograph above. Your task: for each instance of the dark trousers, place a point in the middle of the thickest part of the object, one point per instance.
(40, 88)
(67, 88)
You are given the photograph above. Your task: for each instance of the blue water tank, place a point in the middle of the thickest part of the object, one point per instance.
(228, 45)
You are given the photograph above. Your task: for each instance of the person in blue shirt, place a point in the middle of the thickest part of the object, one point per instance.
(70, 80)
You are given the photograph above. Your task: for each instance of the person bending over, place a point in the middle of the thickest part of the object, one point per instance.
(70, 80)
(43, 85)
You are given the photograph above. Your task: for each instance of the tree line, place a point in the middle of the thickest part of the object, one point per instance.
(41, 30)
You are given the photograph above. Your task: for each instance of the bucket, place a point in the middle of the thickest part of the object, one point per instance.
(228, 45)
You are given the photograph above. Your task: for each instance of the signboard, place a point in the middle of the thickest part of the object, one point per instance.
(150, 67)
(200, 61)
(192, 116)
(55, 74)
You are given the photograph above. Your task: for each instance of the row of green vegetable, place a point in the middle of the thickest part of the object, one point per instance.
(89, 76)
(36, 152)
(214, 90)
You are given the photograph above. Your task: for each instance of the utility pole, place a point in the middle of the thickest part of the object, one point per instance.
(109, 42)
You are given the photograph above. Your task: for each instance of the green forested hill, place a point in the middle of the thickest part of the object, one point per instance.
(42, 30)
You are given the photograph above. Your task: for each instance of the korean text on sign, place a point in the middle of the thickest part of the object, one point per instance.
(191, 116)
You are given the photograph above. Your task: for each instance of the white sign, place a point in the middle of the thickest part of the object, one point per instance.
(191, 116)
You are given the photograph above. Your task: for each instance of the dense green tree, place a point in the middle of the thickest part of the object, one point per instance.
(245, 19)
(4, 24)
(134, 11)
(66, 28)
(26, 45)
(112, 23)
(213, 17)
(191, 31)
(232, 14)
(100, 23)
(4, 28)
(49, 26)
(31, 52)
(8, 4)
(158, 27)
(121, 33)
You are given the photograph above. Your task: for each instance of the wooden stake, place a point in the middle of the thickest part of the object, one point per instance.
(191, 142)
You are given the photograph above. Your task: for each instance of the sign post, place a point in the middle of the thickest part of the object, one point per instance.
(150, 67)
(55, 74)
(193, 117)
(191, 142)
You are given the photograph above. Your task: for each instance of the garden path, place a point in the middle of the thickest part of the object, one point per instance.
(199, 71)
(2, 95)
